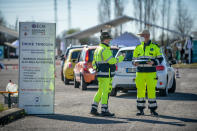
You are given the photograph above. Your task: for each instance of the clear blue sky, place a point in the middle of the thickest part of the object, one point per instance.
(84, 12)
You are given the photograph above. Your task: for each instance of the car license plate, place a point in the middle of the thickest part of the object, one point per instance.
(130, 70)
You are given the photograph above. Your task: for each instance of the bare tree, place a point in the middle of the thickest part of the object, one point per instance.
(183, 22)
(138, 11)
(2, 21)
(168, 18)
(163, 14)
(118, 11)
(104, 9)
(154, 14)
(146, 10)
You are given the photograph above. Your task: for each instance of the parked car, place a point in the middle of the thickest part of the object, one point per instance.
(82, 75)
(69, 64)
(124, 78)
(64, 57)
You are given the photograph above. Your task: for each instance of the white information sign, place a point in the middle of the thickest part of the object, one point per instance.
(37, 67)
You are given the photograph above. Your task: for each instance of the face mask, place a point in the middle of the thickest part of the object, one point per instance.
(141, 39)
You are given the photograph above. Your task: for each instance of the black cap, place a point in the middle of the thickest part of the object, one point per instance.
(105, 35)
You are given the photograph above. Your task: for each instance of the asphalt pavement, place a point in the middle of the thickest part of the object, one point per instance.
(177, 111)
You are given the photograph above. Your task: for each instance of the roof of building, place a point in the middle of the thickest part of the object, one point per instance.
(98, 28)
(9, 31)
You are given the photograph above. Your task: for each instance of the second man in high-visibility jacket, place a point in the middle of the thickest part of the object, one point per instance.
(146, 56)
(104, 64)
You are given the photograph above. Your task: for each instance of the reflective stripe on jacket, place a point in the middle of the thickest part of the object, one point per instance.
(149, 51)
(104, 62)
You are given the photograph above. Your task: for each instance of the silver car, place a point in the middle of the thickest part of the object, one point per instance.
(124, 78)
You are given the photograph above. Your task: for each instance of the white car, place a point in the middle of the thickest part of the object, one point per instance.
(124, 78)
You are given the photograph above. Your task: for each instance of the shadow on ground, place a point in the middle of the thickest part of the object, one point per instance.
(81, 119)
(164, 122)
(102, 120)
(179, 96)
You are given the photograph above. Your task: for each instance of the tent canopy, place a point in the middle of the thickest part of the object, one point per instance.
(125, 40)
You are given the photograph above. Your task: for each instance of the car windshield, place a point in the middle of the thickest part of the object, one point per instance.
(69, 48)
(128, 54)
(75, 54)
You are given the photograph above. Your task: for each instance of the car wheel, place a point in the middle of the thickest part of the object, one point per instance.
(164, 92)
(76, 83)
(113, 92)
(83, 84)
(66, 81)
(173, 88)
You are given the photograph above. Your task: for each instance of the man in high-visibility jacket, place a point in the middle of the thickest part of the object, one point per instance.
(146, 56)
(104, 64)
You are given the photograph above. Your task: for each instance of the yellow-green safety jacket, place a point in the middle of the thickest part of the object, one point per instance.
(104, 62)
(150, 51)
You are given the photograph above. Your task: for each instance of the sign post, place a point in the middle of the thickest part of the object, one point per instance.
(37, 67)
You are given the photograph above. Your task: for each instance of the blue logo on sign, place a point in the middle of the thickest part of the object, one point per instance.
(34, 26)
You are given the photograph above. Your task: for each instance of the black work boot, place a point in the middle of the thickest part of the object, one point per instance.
(154, 113)
(94, 109)
(140, 112)
(105, 111)
(94, 112)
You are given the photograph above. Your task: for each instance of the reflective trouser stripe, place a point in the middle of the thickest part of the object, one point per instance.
(140, 99)
(95, 105)
(104, 86)
(141, 103)
(104, 108)
(152, 103)
(152, 100)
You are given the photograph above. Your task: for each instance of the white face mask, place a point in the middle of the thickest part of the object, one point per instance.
(141, 39)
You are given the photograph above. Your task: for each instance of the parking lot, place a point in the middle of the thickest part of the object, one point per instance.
(177, 112)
